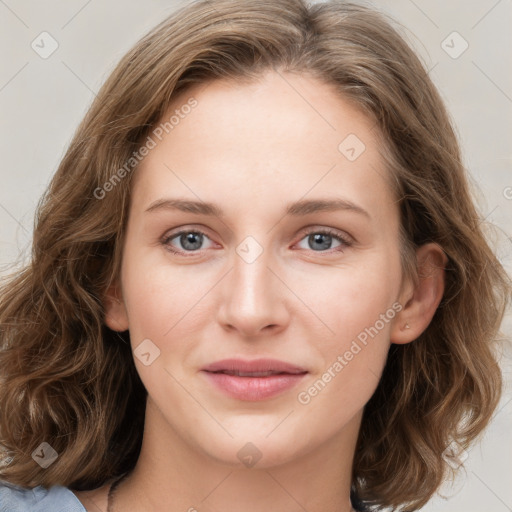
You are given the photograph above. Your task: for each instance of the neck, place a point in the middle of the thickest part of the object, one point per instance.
(174, 476)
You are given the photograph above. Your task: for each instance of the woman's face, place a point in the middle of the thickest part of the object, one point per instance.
(261, 225)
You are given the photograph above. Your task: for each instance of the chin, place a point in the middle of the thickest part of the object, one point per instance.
(252, 448)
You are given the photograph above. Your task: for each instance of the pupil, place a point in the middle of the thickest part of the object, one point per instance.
(191, 241)
(320, 238)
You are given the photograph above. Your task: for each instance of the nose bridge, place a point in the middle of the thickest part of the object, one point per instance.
(253, 298)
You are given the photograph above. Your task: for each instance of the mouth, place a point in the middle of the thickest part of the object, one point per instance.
(239, 373)
(253, 380)
(244, 368)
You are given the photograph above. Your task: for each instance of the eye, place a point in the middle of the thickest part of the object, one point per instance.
(321, 240)
(188, 241)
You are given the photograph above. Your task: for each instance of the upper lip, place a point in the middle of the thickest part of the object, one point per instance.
(254, 366)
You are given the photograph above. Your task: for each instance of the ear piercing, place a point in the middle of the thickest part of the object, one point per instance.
(407, 326)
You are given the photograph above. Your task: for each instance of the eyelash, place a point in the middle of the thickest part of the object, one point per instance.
(344, 240)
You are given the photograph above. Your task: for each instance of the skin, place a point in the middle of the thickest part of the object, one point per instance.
(252, 149)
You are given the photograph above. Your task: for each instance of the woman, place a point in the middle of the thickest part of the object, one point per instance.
(259, 281)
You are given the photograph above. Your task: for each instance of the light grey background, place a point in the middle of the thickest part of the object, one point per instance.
(43, 100)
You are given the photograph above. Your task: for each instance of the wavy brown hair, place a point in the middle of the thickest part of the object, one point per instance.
(67, 379)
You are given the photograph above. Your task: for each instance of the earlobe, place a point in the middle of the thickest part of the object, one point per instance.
(424, 297)
(116, 317)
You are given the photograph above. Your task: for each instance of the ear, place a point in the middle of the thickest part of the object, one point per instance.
(421, 299)
(116, 316)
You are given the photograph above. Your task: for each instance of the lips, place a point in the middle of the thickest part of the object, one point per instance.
(249, 374)
(254, 368)
(253, 380)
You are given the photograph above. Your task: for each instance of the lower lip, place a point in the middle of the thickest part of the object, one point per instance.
(254, 388)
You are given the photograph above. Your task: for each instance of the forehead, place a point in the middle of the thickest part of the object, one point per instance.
(280, 137)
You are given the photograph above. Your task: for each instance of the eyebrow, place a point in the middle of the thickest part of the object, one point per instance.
(296, 209)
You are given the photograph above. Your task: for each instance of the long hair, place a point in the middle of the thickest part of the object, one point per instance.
(68, 380)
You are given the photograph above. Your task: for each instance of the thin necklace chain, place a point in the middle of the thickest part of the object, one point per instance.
(113, 485)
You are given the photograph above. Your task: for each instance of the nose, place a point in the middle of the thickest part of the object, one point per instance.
(254, 301)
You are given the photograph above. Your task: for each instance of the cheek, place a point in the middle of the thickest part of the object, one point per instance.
(358, 305)
(163, 305)
(353, 357)
(347, 299)
(160, 297)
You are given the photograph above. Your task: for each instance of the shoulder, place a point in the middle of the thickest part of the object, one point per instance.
(38, 499)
